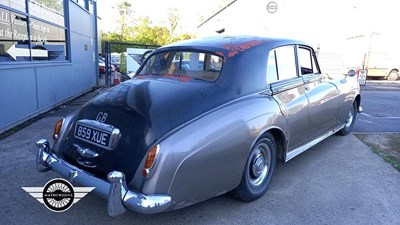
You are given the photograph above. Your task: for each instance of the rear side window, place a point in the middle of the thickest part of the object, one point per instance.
(286, 62)
(197, 65)
(281, 64)
(272, 74)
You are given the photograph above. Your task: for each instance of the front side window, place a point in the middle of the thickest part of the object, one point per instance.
(306, 61)
(197, 65)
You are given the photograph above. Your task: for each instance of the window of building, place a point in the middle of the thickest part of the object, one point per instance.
(91, 6)
(80, 2)
(39, 35)
(15, 4)
(86, 4)
(50, 10)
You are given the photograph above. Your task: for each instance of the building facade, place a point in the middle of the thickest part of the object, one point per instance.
(48, 55)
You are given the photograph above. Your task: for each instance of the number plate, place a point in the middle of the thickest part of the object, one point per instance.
(93, 136)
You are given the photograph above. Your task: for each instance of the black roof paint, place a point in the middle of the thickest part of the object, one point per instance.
(244, 69)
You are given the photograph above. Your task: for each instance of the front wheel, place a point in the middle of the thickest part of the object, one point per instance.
(351, 118)
(393, 75)
(258, 171)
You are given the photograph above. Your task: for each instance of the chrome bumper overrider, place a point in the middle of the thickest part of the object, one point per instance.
(115, 190)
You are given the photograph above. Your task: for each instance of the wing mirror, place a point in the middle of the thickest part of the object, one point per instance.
(351, 73)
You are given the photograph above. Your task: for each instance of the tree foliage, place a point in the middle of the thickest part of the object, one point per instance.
(125, 14)
(142, 30)
(173, 19)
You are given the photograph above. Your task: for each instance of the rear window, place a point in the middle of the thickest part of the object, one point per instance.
(197, 65)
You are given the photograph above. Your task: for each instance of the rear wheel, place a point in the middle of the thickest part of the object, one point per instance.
(351, 118)
(393, 75)
(259, 169)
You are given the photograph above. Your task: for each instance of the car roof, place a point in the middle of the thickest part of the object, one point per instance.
(244, 67)
(221, 43)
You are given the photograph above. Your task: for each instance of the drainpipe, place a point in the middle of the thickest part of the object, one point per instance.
(96, 46)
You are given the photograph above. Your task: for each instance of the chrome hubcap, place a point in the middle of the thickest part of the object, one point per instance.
(259, 165)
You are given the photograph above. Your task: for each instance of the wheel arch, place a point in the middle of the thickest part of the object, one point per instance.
(393, 70)
(280, 141)
(358, 101)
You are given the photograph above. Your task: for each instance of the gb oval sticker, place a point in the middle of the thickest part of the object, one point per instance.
(101, 117)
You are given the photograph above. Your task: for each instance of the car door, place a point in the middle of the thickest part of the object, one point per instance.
(288, 90)
(322, 94)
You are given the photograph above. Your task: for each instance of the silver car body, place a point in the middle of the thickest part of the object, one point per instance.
(206, 156)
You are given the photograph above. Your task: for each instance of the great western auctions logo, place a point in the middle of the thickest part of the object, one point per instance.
(58, 195)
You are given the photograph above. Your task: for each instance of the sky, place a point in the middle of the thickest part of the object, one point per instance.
(157, 11)
(315, 21)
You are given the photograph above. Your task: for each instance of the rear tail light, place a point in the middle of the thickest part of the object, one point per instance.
(57, 128)
(150, 161)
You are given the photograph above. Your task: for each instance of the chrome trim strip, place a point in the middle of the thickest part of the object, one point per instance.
(290, 155)
(310, 78)
(284, 85)
(115, 191)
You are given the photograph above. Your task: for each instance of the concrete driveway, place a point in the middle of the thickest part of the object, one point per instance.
(339, 181)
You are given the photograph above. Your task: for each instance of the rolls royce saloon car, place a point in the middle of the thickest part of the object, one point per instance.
(199, 119)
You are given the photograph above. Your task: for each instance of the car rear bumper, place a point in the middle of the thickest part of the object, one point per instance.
(115, 190)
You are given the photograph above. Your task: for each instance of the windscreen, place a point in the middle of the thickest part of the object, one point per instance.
(196, 65)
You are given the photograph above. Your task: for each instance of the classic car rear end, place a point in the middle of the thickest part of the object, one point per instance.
(199, 119)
